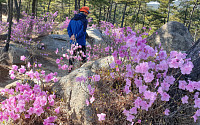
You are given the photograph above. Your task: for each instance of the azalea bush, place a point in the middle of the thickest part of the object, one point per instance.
(26, 104)
(28, 27)
(150, 78)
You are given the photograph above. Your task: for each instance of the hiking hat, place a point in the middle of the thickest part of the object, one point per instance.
(84, 9)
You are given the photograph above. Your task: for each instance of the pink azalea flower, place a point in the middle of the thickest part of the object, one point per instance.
(31, 111)
(22, 58)
(133, 110)
(92, 99)
(27, 116)
(126, 89)
(97, 78)
(138, 82)
(50, 119)
(130, 117)
(39, 111)
(165, 86)
(56, 51)
(187, 68)
(14, 67)
(107, 49)
(128, 82)
(166, 111)
(142, 88)
(182, 84)
(12, 76)
(87, 102)
(142, 68)
(55, 79)
(165, 96)
(101, 116)
(57, 61)
(22, 69)
(184, 99)
(148, 77)
(57, 110)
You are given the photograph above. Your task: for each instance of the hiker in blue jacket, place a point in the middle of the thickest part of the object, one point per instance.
(77, 31)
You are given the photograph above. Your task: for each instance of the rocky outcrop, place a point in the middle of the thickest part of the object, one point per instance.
(194, 54)
(76, 93)
(13, 55)
(172, 36)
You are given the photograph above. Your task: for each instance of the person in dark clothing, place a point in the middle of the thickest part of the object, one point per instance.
(77, 31)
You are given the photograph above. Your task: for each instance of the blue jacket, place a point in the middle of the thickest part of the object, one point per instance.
(78, 26)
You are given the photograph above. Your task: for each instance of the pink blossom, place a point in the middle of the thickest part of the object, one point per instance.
(166, 111)
(57, 110)
(50, 119)
(150, 95)
(165, 86)
(148, 77)
(138, 82)
(48, 77)
(22, 58)
(133, 110)
(165, 96)
(187, 68)
(56, 51)
(130, 117)
(22, 69)
(39, 111)
(87, 102)
(142, 88)
(184, 99)
(55, 79)
(57, 61)
(142, 68)
(170, 79)
(112, 65)
(107, 49)
(12, 76)
(128, 82)
(14, 67)
(101, 116)
(31, 111)
(92, 99)
(119, 62)
(126, 89)
(96, 78)
(182, 84)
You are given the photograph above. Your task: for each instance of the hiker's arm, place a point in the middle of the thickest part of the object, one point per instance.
(69, 30)
(80, 33)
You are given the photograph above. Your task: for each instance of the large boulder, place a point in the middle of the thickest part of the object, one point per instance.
(95, 36)
(13, 55)
(54, 41)
(172, 36)
(194, 54)
(75, 93)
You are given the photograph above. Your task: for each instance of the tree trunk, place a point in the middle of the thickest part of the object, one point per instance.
(79, 4)
(33, 9)
(185, 15)
(109, 17)
(8, 10)
(114, 13)
(137, 16)
(48, 5)
(69, 10)
(168, 10)
(10, 5)
(84, 3)
(62, 19)
(99, 16)
(76, 7)
(107, 13)
(190, 21)
(123, 15)
(1, 11)
(18, 9)
(28, 6)
(104, 12)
